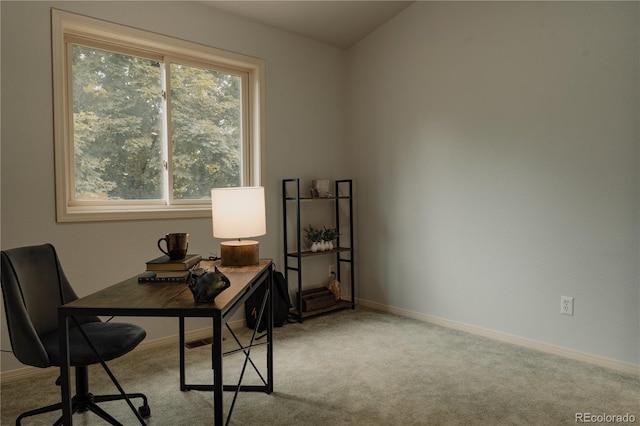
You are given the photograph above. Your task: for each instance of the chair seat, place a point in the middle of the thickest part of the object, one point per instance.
(110, 339)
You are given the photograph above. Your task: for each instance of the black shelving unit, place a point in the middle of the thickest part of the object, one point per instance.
(343, 252)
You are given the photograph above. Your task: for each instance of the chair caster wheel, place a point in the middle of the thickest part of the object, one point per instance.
(145, 411)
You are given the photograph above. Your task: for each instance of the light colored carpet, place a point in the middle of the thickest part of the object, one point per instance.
(359, 367)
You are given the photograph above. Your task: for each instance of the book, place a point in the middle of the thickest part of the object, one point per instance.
(163, 276)
(163, 263)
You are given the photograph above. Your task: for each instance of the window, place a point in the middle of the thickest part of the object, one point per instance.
(146, 125)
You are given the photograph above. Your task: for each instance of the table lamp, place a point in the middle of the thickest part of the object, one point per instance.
(238, 213)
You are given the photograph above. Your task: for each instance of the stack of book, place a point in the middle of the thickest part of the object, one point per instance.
(163, 269)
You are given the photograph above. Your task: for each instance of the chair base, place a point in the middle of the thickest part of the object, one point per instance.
(85, 401)
(89, 403)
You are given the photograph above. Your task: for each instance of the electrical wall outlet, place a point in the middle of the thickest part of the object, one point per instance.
(332, 269)
(566, 305)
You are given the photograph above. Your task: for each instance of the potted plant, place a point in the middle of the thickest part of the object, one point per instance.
(314, 235)
(328, 235)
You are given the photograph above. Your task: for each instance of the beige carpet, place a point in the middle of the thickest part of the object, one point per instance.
(359, 367)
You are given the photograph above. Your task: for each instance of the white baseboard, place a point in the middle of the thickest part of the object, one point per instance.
(203, 333)
(621, 366)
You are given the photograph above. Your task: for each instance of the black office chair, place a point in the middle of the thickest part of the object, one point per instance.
(34, 286)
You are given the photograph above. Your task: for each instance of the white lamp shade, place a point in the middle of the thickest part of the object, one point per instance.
(238, 212)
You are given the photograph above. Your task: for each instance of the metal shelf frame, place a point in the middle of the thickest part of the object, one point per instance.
(344, 254)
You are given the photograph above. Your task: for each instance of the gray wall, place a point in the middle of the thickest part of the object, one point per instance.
(305, 134)
(497, 168)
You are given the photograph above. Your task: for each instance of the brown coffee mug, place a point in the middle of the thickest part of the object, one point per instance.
(177, 245)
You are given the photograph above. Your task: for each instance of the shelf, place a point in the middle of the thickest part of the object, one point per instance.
(295, 256)
(339, 197)
(308, 253)
(342, 304)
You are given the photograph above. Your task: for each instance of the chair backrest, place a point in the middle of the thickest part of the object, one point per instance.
(33, 286)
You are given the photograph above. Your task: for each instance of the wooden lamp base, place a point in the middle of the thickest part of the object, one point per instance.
(239, 253)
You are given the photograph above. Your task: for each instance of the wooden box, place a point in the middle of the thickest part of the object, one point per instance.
(317, 298)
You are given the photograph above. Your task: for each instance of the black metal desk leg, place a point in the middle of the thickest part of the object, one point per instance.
(216, 355)
(182, 356)
(65, 385)
(270, 311)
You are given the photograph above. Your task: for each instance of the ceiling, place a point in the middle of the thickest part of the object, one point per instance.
(340, 23)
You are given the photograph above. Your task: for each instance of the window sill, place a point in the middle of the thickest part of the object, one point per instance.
(72, 214)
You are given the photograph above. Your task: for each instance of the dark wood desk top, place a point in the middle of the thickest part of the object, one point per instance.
(130, 297)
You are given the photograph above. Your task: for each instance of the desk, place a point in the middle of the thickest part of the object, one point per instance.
(130, 298)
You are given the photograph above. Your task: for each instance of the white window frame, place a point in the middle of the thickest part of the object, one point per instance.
(64, 25)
